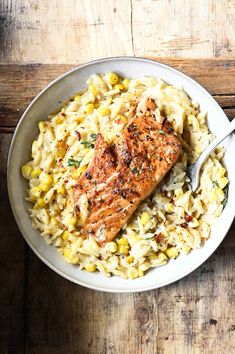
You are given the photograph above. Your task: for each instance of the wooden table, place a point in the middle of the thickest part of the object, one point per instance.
(42, 313)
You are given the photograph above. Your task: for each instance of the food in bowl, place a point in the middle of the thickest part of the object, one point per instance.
(171, 221)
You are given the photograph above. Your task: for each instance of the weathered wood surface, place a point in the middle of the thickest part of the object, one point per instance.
(12, 268)
(44, 313)
(76, 31)
(20, 83)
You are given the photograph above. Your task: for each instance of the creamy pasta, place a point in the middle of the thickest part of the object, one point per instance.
(171, 222)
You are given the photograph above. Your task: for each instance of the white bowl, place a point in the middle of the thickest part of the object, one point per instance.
(48, 101)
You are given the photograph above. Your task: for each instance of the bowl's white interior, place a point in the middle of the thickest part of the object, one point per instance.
(47, 102)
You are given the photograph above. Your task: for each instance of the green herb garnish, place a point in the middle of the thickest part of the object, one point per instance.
(135, 170)
(161, 132)
(225, 201)
(87, 144)
(93, 137)
(72, 162)
(215, 184)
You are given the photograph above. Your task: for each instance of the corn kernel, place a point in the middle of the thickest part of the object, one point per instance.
(119, 87)
(125, 83)
(132, 273)
(111, 247)
(222, 182)
(26, 171)
(77, 173)
(130, 259)
(90, 267)
(93, 89)
(144, 266)
(103, 111)
(45, 178)
(186, 249)
(34, 148)
(220, 194)
(161, 256)
(135, 238)
(72, 221)
(61, 190)
(112, 78)
(35, 193)
(77, 97)
(42, 127)
(145, 218)
(44, 187)
(65, 235)
(41, 202)
(122, 241)
(172, 252)
(123, 250)
(36, 173)
(89, 108)
(59, 120)
(67, 253)
(221, 172)
(169, 208)
(53, 220)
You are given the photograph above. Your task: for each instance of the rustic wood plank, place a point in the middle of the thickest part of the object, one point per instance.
(178, 28)
(195, 315)
(83, 30)
(59, 32)
(12, 268)
(19, 84)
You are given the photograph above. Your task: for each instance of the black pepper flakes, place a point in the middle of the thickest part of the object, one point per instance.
(88, 175)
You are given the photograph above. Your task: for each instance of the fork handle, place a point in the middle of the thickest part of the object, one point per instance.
(227, 130)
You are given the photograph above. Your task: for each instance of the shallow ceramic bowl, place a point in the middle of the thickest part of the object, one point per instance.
(48, 101)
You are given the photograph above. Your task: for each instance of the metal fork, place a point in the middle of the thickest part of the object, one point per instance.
(193, 171)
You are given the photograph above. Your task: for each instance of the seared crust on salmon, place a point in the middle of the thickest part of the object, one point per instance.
(124, 173)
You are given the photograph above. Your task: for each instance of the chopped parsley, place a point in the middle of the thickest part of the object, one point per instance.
(225, 201)
(135, 170)
(72, 162)
(87, 144)
(161, 132)
(93, 137)
(215, 184)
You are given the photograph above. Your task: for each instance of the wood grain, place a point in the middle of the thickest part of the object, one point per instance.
(12, 274)
(53, 316)
(64, 31)
(20, 83)
(80, 30)
(202, 28)
(42, 313)
(195, 315)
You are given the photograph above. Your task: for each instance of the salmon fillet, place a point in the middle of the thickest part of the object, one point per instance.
(124, 173)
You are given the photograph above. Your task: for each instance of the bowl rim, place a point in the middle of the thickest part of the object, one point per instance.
(174, 279)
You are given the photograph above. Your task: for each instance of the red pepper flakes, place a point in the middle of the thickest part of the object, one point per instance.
(78, 135)
(159, 238)
(188, 217)
(185, 225)
(164, 193)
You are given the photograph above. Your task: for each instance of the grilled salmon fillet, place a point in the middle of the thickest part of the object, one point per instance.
(124, 173)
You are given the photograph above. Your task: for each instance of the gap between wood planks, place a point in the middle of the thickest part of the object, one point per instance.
(20, 83)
